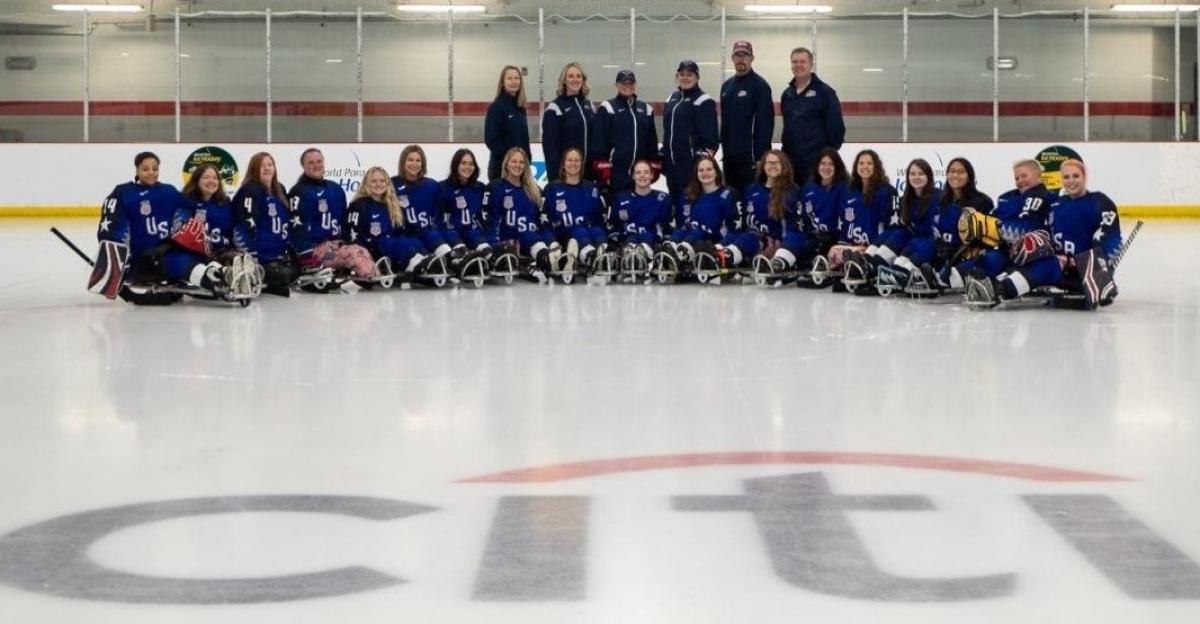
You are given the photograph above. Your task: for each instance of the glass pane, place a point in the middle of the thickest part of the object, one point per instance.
(133, 81)
(314, 84)
(45, 102)
(223, 80)
(477, 72)
(949, 95)
(861, 60)
(1132, 78)
(1041, 97)
(405, 80)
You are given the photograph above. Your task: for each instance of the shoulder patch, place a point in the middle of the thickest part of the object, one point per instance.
(702, 99)
(553, 108)
(606, 105)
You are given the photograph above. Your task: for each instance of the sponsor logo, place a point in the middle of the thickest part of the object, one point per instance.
(225, 163)
(1051, 160)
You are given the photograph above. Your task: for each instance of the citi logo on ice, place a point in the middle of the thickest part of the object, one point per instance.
(536, 549)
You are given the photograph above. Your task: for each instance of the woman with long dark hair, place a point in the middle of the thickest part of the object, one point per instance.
(908, 235)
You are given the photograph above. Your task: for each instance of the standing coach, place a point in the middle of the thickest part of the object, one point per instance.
(812, 116)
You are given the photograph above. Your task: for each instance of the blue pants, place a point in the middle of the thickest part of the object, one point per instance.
(1043, 272)
(746, 242)
(400, 249)
(896, 240)
(688, 236)
(433, 238)
(992, 262)
(178, 264)
(473, 237)
(584, 235)
(526, 241)
(920, 251)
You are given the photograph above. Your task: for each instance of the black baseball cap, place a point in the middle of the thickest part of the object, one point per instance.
(626, 75)
(688, 65)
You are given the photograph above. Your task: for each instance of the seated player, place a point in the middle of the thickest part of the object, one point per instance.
(421, 200)
(321, 204)
(377, 223)
(207, 241)
(638, 220)
(577, 214)
(135, 223)
(513, 216)
(940, 273)
(1076, 255)
(774, 213)
(1018, 212)
(908, 240)
(823, 198)
(464, 198)
(870, 200)
(278, 238)
(707, 211)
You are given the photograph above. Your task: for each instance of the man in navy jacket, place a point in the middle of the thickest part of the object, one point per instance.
(747, 119)
(812, 116)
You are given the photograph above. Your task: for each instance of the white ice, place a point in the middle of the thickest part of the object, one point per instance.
(402, 395)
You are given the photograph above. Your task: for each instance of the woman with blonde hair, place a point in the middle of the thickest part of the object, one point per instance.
(1076, 254)
(377, 221)
(506, 125)
(569, 121)
(514, 214)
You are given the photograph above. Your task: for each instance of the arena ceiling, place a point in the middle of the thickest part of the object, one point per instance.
(31, 16)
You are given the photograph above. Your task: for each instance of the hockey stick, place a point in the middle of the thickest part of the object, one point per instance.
(66, 241)
(1116, 261)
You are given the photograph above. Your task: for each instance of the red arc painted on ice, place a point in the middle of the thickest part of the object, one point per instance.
(592, 468)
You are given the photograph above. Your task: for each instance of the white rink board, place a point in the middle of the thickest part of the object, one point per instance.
(65, 175)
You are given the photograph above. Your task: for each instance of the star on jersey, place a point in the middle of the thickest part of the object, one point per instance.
(296, 221)
(353, 235)
(104, 224)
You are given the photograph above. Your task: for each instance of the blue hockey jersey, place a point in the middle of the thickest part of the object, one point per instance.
(757, 208)
(321, 204)
(221, 229)
(421, 203)
(569, 205)
(138, 215)
(862, 221)
(510, 211)
(822, 207)
(1080, 224)
(640, 218)
(1020, 213)
(710, 212)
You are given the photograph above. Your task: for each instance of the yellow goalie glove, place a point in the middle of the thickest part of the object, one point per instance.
(979, 228)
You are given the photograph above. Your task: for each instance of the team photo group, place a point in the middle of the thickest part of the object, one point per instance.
(795, 216)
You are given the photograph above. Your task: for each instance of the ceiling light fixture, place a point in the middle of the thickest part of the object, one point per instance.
(789, 9)
(99, 8)
(441, 8)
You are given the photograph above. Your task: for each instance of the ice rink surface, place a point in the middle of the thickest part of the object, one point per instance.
(587, 454)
